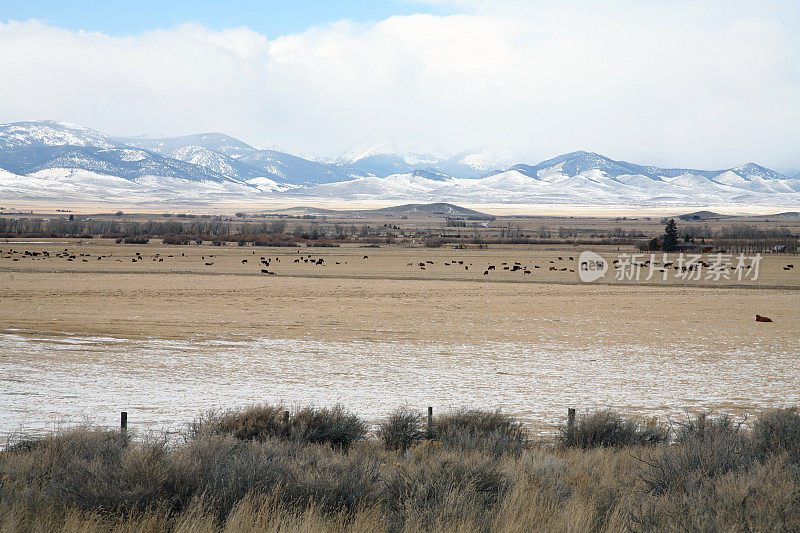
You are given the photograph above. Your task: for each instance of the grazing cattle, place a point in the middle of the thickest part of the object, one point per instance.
(265, 271)
(447, 264)
(319, 261)
(160, 260)
(790, 266)
(560, 258)
(485, 272)
(552, 268)
(209, 263)
(466, 267)
(422, 264)
(296, 260)
(244, 261)
(526, 271)
(571, 258)
(760, 318)
(786, 268)
(429, 262)
(491, 267)
(554, 261)
(365, 257)
(536, 266)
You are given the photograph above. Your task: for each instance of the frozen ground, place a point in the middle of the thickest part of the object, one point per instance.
(57, 380)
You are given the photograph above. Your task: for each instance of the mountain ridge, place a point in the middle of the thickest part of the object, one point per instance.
(50, 149)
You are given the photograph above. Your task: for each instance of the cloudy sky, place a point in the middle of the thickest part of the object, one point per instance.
(702, 84)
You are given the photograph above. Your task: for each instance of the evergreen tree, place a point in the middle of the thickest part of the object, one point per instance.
(670, 240)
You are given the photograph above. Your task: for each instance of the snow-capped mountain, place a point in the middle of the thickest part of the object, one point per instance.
(293, 170)
(24, 135)
(217, 142)
(385, 159)
(66, 162)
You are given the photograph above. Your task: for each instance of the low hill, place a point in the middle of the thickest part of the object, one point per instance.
(703, 215)
(438, 209)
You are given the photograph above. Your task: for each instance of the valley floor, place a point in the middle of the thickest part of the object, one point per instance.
(173, 338)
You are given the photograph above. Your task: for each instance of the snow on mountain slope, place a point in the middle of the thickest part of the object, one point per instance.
(78, 185)
(397, 186)
(50, 133)
(48, 159)
(293, 170)
(197, 155)
(217, 142)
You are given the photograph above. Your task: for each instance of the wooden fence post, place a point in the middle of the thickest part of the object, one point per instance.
(123, 421)
(430, 422)
(570, 419)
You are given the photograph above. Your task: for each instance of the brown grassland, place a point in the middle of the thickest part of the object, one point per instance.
(258, 469)
(312, 470)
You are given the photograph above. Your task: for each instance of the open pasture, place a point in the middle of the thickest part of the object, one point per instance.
(505, 263)
(165, 340)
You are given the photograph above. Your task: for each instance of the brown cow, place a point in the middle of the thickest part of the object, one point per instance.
(760, 318)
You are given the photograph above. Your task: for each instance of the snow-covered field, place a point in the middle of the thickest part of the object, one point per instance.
(48, 381)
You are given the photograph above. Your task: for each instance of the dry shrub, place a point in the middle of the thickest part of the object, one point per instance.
(763, 497)
(608, 429)
(259, 422)
(473, 429)
(87, 469)
(446, 486)
(402, 429)
(224, 470)
(706, 448)
(335, 426)
(235, 475)
(775, 432)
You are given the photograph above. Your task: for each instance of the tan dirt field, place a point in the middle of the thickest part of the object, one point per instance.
(683, 335)
(357, 296)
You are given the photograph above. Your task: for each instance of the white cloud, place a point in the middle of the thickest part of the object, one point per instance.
(687, 84)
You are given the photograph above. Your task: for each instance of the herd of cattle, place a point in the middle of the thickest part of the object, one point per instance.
(558, 264)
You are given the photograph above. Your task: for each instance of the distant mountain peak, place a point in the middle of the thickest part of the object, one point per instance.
(31, 153)
(51, 133)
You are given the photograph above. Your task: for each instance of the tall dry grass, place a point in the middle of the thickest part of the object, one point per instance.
(254, 470)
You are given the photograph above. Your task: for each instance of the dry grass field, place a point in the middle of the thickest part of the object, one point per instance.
(377, 332)
(399, 293)
(167, 332)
